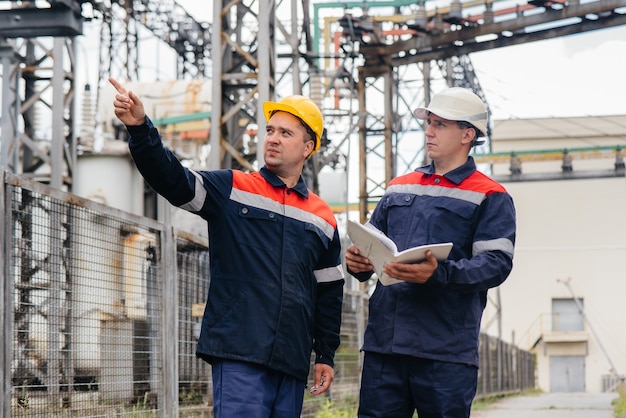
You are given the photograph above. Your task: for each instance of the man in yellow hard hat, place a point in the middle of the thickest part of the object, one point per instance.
(421, 341)
(276, 278)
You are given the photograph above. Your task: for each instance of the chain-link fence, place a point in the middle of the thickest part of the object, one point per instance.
(102, 310)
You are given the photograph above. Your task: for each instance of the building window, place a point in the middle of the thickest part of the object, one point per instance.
(567, 315)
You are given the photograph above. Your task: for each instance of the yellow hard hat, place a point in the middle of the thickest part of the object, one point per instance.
(303, 108)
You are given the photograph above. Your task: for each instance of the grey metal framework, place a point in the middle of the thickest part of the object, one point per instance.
(437, 44)
(37, 85)
(38, 59)
(257, 50)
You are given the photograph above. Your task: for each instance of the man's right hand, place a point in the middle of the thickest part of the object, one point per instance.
(355, 262)
(127, 106)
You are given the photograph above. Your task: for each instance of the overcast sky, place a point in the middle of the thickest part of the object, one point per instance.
(577, 75)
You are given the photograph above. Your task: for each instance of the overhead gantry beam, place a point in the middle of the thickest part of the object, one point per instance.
(480, 33)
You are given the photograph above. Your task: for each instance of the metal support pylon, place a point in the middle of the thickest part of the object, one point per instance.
(45, 150)
(9, 141)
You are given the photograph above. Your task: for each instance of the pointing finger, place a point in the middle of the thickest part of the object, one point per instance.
(118, 86)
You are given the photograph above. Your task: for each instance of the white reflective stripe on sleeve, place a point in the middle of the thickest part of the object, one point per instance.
(330, 274)
(500, 244)
(195, 204)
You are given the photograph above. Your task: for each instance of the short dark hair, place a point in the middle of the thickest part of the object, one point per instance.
(466, 125)
(309, 132)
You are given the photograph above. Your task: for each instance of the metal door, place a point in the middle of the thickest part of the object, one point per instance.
(567, 374)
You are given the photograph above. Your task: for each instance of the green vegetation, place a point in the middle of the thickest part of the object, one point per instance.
(329, 410)
(483, 403)
(619, 404)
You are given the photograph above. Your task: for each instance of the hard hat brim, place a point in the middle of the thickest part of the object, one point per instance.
(270, 107)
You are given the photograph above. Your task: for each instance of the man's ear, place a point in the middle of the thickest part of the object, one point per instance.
(469, 135)
(309, 145)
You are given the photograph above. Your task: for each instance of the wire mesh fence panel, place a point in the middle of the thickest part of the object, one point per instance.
(85, 299)
(193, 286)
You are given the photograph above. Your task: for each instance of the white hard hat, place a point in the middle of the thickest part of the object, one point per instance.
(458, 104)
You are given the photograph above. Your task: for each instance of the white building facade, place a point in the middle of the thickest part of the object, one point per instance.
(566, 296)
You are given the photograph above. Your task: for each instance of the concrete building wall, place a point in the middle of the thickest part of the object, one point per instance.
(571, 242)
(570, 230)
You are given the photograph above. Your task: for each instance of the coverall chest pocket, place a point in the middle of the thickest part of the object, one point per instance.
(401, 216)
(253, 224)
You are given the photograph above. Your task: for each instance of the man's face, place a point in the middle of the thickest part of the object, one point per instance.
(445, 139)
(285, 147)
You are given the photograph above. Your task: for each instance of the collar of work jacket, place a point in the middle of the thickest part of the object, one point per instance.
(300, 188)
(457, 175)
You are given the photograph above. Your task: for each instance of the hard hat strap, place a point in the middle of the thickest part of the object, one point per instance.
(479, 116)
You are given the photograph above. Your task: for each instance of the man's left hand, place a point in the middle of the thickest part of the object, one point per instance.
(414, 273)
(324, 375)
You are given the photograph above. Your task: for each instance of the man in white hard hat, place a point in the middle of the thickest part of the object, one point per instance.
(421, 341)
(275, 258)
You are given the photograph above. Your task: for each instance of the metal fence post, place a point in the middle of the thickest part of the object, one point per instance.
(5, 299)
(170, 323)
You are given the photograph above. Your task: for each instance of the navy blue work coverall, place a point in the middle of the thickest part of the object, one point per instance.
(440, 319)
(276, 287)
